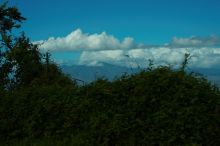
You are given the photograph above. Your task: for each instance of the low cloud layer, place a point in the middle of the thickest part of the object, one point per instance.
(201, 58)
(97, 49)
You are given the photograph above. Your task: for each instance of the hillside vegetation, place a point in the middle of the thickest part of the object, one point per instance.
(39, 105)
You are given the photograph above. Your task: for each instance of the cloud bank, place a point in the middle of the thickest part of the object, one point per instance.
(97, 49)
(201, 58)
(77, 40)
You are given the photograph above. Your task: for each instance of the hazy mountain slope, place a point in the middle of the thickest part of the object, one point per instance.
(90, 73)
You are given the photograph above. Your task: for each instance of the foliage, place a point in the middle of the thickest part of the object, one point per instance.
(10, 18)
(157, 107)
(21, 63)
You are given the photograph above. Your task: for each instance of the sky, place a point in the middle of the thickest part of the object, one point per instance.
(122, 32)
(148, 21)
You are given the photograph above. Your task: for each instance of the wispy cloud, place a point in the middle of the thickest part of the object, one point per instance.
(194, 41)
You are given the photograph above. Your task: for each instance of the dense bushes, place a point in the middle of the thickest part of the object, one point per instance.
(154, 107)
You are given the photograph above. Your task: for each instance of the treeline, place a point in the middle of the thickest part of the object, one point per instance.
(39, 105)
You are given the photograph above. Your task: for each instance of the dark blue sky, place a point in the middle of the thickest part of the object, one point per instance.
(148, 21)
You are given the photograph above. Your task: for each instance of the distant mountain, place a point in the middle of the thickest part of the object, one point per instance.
(212, 74)
(90, 73)
(109, 71)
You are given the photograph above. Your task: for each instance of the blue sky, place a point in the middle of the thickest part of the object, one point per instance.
(148, 21)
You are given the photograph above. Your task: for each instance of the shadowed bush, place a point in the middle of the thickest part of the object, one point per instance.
(161, 106)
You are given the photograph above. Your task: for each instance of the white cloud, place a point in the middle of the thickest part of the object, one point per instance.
(97, 57)
(77, 40)
(195, 41)
(201, 57)
(104, 48)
